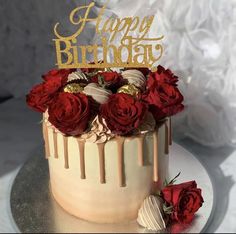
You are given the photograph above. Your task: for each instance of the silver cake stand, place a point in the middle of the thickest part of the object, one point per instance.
(35, 211)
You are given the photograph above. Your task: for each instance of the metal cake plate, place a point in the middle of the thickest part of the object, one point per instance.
(35, 211)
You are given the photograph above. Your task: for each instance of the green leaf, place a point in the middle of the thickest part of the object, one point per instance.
(166, 183)
(175, 179)
(101, 81)
(91, 74)
(167, 209)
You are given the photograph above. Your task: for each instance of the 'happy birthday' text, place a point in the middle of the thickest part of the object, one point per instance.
(72, 55)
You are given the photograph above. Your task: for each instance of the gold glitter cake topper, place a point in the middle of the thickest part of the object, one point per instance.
(141, 51)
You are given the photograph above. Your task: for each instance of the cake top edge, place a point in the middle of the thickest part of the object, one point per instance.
(107, 102)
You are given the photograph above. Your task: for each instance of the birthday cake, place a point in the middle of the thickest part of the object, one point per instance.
(107, 137)
(107, 128)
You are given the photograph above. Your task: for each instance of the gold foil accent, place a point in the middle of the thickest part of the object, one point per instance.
(73, 88)
(129, 89)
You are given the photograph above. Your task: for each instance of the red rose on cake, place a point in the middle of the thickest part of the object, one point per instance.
(70, 113)
(185, 200)
(162, 95)
(162, 75)
(61, 74)
(164, 100)
(41, 95)
(109, 79)
(123, 113)
(156, 92)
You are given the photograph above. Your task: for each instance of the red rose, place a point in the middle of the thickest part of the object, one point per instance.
(123, 113)
(185, 199)
(58, 74)
(70, 113)
(164, 100)
(41, 95)
(110, 79)
(161, 76)
(162, 94)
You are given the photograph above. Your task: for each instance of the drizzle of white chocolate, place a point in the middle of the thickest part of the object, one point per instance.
(135, 77)
(78, 75)
(151, 214)
(98, 93)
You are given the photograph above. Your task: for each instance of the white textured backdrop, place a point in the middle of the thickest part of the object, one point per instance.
(199, 46)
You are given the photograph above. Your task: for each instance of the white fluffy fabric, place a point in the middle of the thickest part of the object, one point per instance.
(200, 47)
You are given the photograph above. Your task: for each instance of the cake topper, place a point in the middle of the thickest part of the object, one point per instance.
(141, 50)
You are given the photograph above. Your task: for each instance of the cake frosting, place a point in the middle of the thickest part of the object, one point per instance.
(106, 182)
(99, 132)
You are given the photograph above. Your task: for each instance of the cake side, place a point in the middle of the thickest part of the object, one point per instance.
(108, 188)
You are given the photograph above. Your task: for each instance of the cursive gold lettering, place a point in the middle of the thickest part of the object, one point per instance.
(131, 52)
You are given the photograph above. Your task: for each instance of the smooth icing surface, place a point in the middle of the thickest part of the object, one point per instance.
(105, 183)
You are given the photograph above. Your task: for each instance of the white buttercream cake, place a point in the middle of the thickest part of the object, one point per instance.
(107, 136)
(106, 182)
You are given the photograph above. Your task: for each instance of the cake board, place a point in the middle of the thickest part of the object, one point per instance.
(35, 211)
